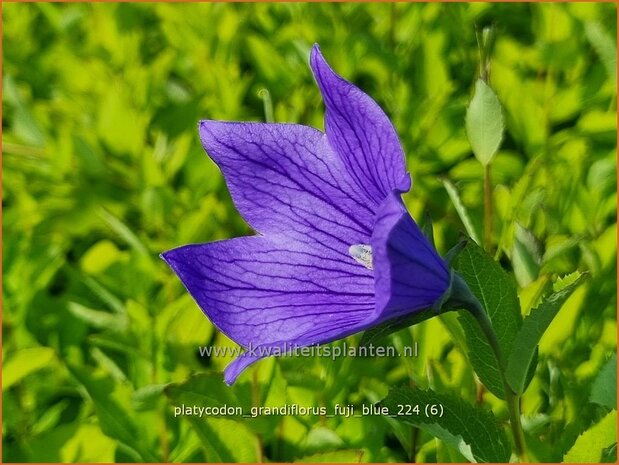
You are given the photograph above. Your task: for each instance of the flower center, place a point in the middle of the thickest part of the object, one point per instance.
(362, 253)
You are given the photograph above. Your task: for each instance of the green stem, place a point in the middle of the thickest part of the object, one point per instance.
(513, 406)
(265, 95)
(393, 17)
(512, 399)
(255, 400)
(487, 209)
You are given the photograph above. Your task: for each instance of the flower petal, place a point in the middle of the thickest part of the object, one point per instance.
(361, 134)
(268, 292)
(409, 273)
(238, 365)
(286, 179)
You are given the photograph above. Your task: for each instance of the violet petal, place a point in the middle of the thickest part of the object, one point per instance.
(361, 134)
(409, 274)
(285, 179)
(336, 253)
(265, 292)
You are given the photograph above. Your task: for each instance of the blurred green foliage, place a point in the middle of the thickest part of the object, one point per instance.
(103, 170)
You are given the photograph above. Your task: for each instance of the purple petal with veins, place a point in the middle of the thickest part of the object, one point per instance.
(336, 251)
(360, 132)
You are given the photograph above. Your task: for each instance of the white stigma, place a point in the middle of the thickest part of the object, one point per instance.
(362, 253)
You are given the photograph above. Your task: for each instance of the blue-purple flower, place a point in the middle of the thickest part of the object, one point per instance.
(336, 251)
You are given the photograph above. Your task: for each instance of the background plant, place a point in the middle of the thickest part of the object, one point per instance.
(103, 170)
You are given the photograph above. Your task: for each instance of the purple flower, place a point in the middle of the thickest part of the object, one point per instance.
(336, 251)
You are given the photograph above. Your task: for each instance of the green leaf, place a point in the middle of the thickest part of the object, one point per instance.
(188, 316)
(338, 456)
(453, 253)
(321, 439)
(114, 420)
(604, 46)
(88, 444)
(99, 319)
(427, 228)
(23, 362)
(591, 444)
(225, 439)
(99, 257)
(108, 364)
(208, 390)
(461, 210)
(474, 432)
(604, 389)
(497, 293)
(25, 125)
(609, 454)
(148, 397)
(123, 231)
(526, 256)
(567, 280)
(532, 330)
(120, 126)
(113, 302)
(484, 123)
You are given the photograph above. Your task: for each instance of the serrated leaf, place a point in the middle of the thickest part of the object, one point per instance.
(461, 210)
(474, 432)
(484, 123)
(604, 389)
(529, 335)
(565, 281)
(591, 444)
(497, 293)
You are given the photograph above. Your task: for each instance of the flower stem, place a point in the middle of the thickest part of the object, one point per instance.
(511, 398)
(487, 209)
(265, 95)
(469, 302)
(513, 406)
